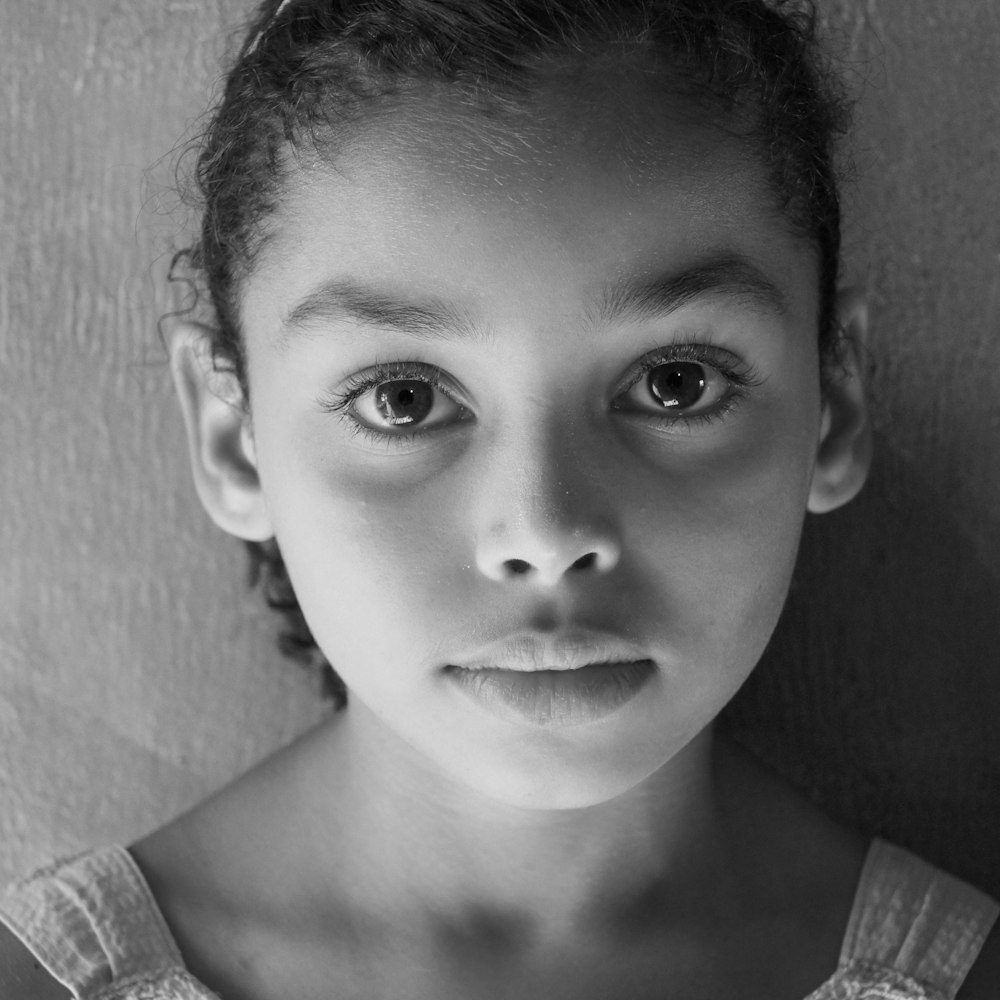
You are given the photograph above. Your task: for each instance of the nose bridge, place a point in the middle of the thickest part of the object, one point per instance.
(547, 509)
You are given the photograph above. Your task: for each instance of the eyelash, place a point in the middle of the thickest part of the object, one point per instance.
(742, 378)
(340, 402)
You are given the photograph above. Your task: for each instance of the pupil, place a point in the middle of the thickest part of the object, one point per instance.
(406, 402)
(677, 385)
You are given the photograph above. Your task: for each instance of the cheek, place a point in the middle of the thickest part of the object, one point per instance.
(717, 536)
(738, 497)
(376, 561)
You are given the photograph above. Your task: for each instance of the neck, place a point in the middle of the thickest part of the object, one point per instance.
(402, 839)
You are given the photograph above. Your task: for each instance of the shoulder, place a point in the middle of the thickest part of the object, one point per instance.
(983, 982)
(21, 974)
(783, 833)
(928, 923)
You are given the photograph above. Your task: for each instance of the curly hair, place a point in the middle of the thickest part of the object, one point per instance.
(309, 69)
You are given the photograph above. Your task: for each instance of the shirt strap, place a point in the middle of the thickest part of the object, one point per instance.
(916, 920)
(91, 920)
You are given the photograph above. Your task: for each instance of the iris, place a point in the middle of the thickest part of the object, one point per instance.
(677, 385)
(404, 402)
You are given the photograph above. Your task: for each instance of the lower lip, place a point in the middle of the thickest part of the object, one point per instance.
(554, 697)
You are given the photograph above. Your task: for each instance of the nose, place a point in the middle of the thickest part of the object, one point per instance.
(546, 518)
(546, 564)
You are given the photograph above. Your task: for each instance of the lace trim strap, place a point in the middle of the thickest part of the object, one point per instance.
(91, 920)
(916, 920)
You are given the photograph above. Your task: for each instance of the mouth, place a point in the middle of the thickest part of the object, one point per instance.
(561, 651)
(565, 680)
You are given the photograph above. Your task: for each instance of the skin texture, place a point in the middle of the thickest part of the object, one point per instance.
(397, 551)
(429, 846)
(419, 845)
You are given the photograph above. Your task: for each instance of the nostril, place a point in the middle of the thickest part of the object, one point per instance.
(517, 567)
(521, 567)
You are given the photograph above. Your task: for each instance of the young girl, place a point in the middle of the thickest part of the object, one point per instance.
(526, 360)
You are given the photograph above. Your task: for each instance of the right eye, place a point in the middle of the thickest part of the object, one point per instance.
(397, 400)
(404, 403)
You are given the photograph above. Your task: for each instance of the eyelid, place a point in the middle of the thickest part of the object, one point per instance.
(356, 385)
(730, 365)
(341, 402)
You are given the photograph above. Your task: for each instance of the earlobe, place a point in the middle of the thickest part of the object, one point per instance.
(845, 445)
(220, 437)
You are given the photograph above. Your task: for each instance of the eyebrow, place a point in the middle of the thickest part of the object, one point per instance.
(348, 299)
(727, 275)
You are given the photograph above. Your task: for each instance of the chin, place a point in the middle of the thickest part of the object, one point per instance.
(558, 779)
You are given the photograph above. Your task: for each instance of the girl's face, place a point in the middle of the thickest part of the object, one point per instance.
(534, 402)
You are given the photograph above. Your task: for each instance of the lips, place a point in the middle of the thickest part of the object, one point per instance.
(567, 679)
(561, 651)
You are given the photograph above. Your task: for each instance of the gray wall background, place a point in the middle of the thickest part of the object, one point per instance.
(136, 671)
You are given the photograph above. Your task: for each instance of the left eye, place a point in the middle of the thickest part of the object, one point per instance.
(406, 404)
(683, 388)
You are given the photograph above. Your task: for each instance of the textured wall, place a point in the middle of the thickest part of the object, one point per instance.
(881, 689)
(135, 672)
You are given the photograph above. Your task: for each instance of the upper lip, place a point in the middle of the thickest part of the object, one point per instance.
(567, 650)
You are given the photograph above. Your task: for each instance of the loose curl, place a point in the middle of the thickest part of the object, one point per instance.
(307, 72)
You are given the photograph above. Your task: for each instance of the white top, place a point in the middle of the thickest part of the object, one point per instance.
(91, 920)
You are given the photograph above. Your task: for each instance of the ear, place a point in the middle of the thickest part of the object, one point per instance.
(220, 437)
(845, 445)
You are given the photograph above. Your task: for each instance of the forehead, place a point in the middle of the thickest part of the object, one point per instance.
(602, 174)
